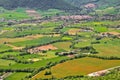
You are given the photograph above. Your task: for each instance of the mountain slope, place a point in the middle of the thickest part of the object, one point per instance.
(98, 6)
(42, 4)
(100, 3)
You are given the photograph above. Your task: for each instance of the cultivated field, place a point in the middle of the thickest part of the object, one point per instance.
(53, 43)
(78, 67)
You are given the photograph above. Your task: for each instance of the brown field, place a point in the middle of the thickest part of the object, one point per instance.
(73, 31)
(31, 37)
(55, 35)
(112, 33)
(81, 66)
(14, 47)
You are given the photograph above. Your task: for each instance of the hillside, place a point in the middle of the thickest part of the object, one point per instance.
(42, 4)
(100, 3)
(99, 7)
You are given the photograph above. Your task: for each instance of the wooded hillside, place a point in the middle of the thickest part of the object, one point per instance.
(42, 4)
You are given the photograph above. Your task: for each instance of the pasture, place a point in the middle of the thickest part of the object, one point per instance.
(6, 63)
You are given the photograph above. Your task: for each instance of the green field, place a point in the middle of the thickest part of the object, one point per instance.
(34, 65)
(6, 63)
(17, 76)
(17, 14)
(63, 45)
(111, 48)
(36, 42)
(4, 48)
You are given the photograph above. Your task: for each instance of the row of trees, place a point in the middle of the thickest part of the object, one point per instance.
(29, 70)
(13, 57)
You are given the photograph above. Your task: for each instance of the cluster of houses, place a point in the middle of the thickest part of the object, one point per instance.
(76, 17)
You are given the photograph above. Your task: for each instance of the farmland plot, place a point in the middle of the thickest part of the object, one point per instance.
(78, 67)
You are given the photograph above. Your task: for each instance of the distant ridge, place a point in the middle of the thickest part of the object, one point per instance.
(41, 4)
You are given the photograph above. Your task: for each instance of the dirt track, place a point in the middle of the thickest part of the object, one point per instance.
(14, 47)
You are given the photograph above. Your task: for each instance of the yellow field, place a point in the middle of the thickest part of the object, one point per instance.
(81, 66)
(31, 37)
(73, 31)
